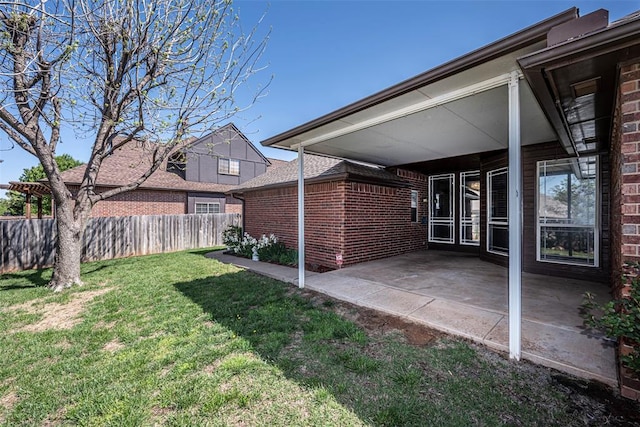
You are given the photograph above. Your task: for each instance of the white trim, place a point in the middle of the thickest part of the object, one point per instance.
(301, 217)
(416, 108)
(515, 221)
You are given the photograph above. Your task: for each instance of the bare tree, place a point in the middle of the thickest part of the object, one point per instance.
(157, 71)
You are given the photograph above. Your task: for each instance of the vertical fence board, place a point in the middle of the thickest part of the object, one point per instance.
(27, 244)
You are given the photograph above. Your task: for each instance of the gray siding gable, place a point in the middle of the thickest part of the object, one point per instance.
(227, 142)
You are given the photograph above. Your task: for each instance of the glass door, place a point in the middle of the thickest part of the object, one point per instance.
(441, 209)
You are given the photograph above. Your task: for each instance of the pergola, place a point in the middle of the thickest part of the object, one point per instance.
(31, 189)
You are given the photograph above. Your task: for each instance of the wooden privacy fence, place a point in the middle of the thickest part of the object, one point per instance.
(27, 244)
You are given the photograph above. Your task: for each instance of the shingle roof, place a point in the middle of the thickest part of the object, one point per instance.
(319, 168)
(129, 162)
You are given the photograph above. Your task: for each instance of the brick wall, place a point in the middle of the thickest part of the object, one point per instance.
(379, 219)
(625, 188)
(233, 205)
(140, 202)
(360, 221)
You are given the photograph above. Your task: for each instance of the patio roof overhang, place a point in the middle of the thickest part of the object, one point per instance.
(473, 104)
(576, 81)
(455, 109)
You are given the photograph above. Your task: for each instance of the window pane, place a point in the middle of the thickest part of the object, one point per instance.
(498, 212)
(214, 207)
(568, 210)
(414, 206)
(470, 208)
(201, 208)
(574, 245)
(234, 167)
(498, 202)
(498, 238)
(223, 166)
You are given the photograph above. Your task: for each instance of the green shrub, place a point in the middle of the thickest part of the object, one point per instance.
(620, 318)
(278, 253)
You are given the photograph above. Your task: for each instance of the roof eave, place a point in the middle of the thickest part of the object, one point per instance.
(525, 37)
(533, 66)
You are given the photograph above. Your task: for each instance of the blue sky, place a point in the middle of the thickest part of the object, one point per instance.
(324, 55)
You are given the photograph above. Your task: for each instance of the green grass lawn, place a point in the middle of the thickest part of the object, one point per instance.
(180, 339)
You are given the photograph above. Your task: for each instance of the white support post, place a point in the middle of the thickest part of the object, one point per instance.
(515, 221)
(300, 216)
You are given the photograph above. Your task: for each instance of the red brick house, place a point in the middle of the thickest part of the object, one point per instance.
(193, 179)
(525, 152)
(352, 209)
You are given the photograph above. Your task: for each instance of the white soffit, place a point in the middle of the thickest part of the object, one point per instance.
(472, 123)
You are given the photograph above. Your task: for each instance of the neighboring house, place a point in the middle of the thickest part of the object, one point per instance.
(193, 179)
(537, 133)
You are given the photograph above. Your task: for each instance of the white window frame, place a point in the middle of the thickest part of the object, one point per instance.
(440, 221)
(596, 225)
(499, 221)
(208, 206)
(464, 222)
(225, 167)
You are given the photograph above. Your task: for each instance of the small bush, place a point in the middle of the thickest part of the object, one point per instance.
(278, 253)
(619, 319)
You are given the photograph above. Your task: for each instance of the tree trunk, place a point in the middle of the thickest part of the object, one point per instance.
(66, 269)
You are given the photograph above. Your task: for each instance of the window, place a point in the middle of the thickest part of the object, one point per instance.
(497, 212)
(207, 208)
(228, 167)
(470, 208)
(414, 206)
(441, 208)
(568, 211)
(177, 163)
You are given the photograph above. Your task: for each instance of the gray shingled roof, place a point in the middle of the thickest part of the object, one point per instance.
(319, 168)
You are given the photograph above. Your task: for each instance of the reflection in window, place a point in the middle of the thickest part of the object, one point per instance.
(568, 211)
(441, 208)
(470, 208)
(177, 163)
(414, 206)
(228, 167)
(497, 215)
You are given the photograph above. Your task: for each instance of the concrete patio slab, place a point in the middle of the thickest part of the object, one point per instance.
(458, 319)
(562, 349)
(344, 288)
(395, 301)
(461, 295)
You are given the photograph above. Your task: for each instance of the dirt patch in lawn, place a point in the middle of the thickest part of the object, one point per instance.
(56, 315)
(376, 323)
(593, 403)
(7, 402)
(113, 346)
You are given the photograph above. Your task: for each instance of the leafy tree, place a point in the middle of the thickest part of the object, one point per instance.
(156, 71)
(4, 206)
(17, 200)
